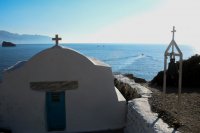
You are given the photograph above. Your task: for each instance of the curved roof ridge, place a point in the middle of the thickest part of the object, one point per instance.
(18, 65)
(92, 60)
(98, 62)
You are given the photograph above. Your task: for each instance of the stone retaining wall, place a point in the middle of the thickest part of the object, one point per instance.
(140, 118)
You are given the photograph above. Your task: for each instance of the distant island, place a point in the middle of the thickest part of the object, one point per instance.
(8, 44)
(23, 38)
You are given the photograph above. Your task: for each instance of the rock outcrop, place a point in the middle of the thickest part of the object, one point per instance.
(136, 79)
(190, 78)
(8, 44)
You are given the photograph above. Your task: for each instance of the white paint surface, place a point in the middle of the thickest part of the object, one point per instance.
(140, 119)
(95, 105)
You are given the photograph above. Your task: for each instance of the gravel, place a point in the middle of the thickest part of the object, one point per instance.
(189, 120)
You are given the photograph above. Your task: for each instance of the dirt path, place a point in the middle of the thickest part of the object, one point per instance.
(189, 121)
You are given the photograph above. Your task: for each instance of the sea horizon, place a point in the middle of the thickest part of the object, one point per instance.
(142, 60)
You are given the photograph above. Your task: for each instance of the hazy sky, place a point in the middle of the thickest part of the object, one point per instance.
(130, 21)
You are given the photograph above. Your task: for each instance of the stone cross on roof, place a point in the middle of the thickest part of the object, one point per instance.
(56, 39)
(173, 31)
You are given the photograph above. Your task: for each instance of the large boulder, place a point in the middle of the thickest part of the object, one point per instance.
(190, 78)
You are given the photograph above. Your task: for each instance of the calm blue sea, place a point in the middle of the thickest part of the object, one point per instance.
(142, 60)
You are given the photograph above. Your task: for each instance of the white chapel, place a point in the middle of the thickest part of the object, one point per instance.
(60, 90)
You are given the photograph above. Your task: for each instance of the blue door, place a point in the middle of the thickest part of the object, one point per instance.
(55, 111)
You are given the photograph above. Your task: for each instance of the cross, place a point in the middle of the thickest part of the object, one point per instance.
(173, 32)
(56, 39)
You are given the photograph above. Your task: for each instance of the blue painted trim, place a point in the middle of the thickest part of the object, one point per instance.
(55, 111)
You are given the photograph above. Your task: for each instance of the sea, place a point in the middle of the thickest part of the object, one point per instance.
(141, 60)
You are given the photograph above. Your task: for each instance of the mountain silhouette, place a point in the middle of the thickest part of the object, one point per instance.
(23, 38)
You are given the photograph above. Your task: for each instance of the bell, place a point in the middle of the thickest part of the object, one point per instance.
(172, 68)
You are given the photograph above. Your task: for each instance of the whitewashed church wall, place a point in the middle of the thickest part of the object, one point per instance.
(25, 107)
(99, 103)
(95, 94)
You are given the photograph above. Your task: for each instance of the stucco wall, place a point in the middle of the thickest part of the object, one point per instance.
(94, 105)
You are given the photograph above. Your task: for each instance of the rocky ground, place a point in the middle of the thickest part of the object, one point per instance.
(189, 121)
